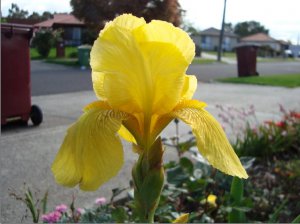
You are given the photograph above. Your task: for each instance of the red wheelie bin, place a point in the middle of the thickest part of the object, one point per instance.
(15, 75)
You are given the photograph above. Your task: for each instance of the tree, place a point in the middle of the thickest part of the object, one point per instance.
(96, 13)
(188, 27)
(249, 27)
(16, 13)
(47, 15)
(228, 27)
(34, 16)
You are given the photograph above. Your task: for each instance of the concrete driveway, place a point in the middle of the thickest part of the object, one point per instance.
(27, 152)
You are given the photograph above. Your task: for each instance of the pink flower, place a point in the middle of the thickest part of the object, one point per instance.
(100, 201)
(80, 211)
(61, 208)
(51, 217)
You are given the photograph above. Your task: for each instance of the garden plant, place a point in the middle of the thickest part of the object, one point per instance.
(138, 73)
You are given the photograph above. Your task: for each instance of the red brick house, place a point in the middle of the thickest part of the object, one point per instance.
(71, 26)
(268, 45)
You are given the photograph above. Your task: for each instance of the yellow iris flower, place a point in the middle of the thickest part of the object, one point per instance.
(138, 74)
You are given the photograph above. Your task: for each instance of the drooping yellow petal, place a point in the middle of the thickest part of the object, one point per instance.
(189, 88)
(184, 218)
(160, 31)
(101, 105)
(211, 139)
(92, 152)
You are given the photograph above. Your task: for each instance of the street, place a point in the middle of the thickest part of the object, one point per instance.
(53, 79)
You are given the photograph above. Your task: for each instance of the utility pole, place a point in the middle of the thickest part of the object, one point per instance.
(222, 33)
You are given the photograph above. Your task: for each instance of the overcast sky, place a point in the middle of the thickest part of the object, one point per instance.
(281, 17)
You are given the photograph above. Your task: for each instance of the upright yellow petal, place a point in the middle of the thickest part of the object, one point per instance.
(98, 84)
(167, 68)
(126, 21)
(160, 31)
(138, 75)
(211, 139)
(92, 152)
(189, 88)
(122, 64)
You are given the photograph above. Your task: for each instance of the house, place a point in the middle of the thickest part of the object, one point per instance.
(71, 27)
(210, 40)
(295, 50)
(268, 45)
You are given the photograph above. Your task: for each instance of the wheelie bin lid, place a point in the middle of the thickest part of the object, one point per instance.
(8, 29)
(247, 45)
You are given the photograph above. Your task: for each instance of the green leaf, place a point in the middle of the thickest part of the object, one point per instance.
(187, 165)
(177, 176)
(297, 219)
(275, 215)
(241, 209)
(44, 202)
(119, 215)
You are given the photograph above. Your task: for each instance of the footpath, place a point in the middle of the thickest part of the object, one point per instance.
(27, 152)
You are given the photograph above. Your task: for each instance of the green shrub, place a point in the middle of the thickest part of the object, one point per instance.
(43, 41)
(73, 54)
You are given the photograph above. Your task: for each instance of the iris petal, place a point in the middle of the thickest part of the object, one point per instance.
(160, 31)
(137, 75)
(189, 88)
(98, 84)
(122, 63)
(126, 21)
(166, 67)
(211, 139)
(124, 133)
(92, 152)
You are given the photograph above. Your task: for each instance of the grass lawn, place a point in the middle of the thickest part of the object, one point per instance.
(34, 55)
(198, 61)
(279, 59)
(63, 61)
(226, 54)
(284, 80)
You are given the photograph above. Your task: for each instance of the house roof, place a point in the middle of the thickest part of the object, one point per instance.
(258, 37)
(61, 19)
(216, 32)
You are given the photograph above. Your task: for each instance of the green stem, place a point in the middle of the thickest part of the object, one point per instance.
(148, 178)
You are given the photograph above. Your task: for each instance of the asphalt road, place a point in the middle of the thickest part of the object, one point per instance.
(53, 79)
